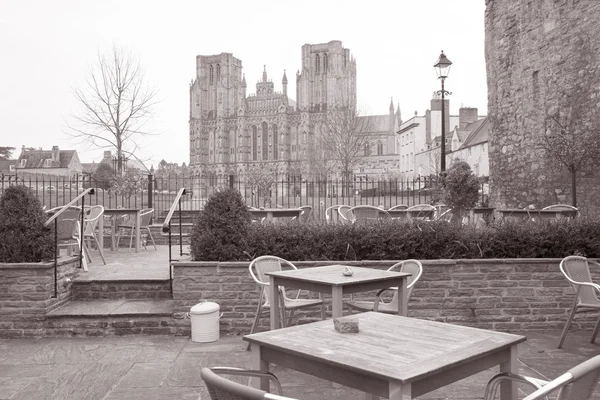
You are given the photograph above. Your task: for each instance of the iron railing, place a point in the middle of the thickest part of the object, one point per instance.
(166, 228)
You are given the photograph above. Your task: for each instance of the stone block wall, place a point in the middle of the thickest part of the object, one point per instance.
(504, 295)
(534, 55)
(26, 294)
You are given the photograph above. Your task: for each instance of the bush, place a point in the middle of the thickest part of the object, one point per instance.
(423, 240)
(461, 188)
(221, 229)
(23, 237)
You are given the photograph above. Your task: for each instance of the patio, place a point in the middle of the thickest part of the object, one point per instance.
(158, 367)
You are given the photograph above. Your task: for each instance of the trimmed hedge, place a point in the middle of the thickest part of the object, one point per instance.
(423, 240)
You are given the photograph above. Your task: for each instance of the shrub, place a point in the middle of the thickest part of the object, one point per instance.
(461, 188)
(424, 240)
(220, 231)
(23, 237)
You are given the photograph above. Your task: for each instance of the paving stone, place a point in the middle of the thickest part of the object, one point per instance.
(145, 375)
(136, 307)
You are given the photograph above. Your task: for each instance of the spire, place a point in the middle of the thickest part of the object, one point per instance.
(244, 80)
(284, 80)
(264, 73)
(398, 115)
(391, 106)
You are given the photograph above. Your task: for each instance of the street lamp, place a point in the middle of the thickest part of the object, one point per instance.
(442, 68)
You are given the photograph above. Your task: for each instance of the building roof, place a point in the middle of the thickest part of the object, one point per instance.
(479, 132)
(37, 158)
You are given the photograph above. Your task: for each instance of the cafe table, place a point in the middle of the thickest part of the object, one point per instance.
(270, 213)
(391, 356)
(115, 213)
(330, 279)
(540, 214)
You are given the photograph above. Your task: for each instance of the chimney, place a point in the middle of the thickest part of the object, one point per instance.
(55, 154)
(466, 115)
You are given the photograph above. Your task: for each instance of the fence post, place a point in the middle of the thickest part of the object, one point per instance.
(150, 189)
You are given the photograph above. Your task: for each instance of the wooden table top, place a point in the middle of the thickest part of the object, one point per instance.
(332, 275)
(388, 347)
(517, 212)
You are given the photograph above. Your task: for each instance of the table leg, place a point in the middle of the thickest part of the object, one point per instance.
(403, 298)
(137, 230)
(113, 233)
(337, 301)
(270, 216)
(261, 365)
(400, 392)
(274, 300)
(101, 232)
(508, 388)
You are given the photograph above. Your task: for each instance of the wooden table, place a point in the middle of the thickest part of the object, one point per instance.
(115, 212)
(329, 279)
(270, 213)
(540, 214)
(391, 356)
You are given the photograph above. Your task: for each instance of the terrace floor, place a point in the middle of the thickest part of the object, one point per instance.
(152, 367)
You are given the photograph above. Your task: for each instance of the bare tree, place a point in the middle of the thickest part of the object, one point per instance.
(6, 152)
(346, 138)
(571, 135)
(261, 179)
(116, 103)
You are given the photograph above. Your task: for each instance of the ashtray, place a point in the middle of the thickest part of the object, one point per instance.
(348, 271)
(345, 325)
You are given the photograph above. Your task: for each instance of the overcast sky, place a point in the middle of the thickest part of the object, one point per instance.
(46, 48)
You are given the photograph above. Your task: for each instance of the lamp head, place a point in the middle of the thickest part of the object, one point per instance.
(442, 66)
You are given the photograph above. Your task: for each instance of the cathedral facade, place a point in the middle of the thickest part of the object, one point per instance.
(232, 131)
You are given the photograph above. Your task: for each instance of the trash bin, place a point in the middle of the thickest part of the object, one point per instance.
(205, 322)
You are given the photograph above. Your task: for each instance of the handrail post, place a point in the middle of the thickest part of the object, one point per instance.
(150, 189)
(81, 235)
(55, 259)
(180, 229)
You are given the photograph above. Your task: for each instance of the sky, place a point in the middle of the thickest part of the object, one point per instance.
(47, 48)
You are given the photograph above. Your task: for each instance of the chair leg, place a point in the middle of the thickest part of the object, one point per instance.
(323, 313)
(100, 249)
(257, 318)
(289, 323)
(595, 331)
(567, 325)
(151, 238)
(131, 239)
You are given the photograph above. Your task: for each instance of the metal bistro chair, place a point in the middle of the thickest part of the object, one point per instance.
(399, 207)
(414, 267)
(258, 269)
(145, 218)
(94, 213)
(578, 383)
(332, 214)
(345, 214)
(421, 211)
(562, 207)
(221, 388)
(577, 271)
(366, 213)
(305, 215)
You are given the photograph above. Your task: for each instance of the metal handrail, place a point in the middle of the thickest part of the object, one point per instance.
(63, 208)
(167, 224)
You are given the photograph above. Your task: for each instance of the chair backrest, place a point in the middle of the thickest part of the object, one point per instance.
(94, 214)
(366, 213)
(422, 211)
(414, 267)
(261, 265)
(399, 207)
(560, 207)
(445, 216)
(578, 383)
(576, 269)
(344, 213)
(66, 228)
(306, 213)
(146, 216)
(332, 214)
(221, 388)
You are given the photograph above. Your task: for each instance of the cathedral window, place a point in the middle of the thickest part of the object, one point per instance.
(254, 144)
(275, 143)
(325, 63)
(210, 74)
(367, 149)
(265, 141)
(379, 148)
(218, 72)
(318, 64)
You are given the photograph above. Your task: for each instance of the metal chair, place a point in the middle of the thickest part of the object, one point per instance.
(414, 267)
(577, 271)
(562, 207)
(345, 216)
(332, 214)
(221, 388)
(578, 383)
(366, 213)
(305, 215)
(422, 211)
(258, 269)
(399, 207)
(145, 218)
(94, 213)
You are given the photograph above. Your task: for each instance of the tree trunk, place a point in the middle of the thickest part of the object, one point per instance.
(573, 186)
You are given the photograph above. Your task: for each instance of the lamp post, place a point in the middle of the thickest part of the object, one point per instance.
(442, 68)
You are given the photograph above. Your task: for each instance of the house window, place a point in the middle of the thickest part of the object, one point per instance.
(379, 148)
(48, 162)
(11, 168)
(23, 162)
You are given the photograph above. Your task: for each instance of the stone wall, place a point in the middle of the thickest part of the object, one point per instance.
(504, 295)
(26, 295)
(534, 55)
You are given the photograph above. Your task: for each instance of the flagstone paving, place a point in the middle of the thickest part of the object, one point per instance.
(159, 367)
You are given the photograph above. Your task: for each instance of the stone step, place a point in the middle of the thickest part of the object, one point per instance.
(121, 289)
(116, 318)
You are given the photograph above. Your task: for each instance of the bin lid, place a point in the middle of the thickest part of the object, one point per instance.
(204, 307)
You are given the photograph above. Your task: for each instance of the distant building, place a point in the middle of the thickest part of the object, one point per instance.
(52, 162)
(7, 166)
(131, 164)
(470, 144)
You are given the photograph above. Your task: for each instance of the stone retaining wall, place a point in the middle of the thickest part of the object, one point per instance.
(26, 295)
(504, 295)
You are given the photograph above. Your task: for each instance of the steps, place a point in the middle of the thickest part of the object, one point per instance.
(121, 289)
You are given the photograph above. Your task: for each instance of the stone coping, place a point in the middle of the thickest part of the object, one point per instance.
(38, 265)
(123, 307)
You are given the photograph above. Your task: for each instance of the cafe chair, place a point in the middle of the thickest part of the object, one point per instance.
(414, 267)
(577, 271)
(145, 218)
(221, 388)
(305, 215)
(421, 211)
(399, 207)
(332, 214)
(94, 213)
(562, 207)
(345, 215)
(578, 383)
(258, 269)
(366, 213)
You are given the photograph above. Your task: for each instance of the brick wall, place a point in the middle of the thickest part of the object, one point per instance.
(26, 292)
(504, 295)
